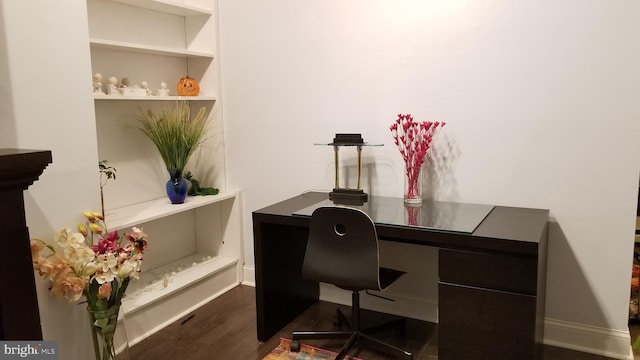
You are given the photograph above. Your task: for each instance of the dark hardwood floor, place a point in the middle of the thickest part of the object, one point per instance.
(225, 329)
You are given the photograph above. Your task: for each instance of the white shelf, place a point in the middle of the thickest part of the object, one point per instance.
(153, 98)
(171, 278)
(167, 6)
(137, 214)
(147, 49)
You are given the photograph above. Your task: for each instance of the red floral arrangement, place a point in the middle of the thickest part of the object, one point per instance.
(414, 140)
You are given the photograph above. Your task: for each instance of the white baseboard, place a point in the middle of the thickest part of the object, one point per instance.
(249, 276)
(590, 339)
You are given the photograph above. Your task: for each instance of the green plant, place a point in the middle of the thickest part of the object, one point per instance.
(106, 172)
(196, 189)
(175, 133)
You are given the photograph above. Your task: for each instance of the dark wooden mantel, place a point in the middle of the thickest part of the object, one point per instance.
(19, 314)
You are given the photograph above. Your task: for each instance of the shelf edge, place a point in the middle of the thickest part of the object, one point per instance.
(137, 214)
(148, 49)
(152, 98)
(168, 7)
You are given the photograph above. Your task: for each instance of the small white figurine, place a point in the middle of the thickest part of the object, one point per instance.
(113, 86)
(163, 91)
(145, 86)
(124, 82)
(97, 83)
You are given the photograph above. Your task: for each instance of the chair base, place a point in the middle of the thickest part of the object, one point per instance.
(355, 335)
(375, 324)
(353, 338)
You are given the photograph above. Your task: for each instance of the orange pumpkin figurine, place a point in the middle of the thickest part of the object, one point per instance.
(188, 87)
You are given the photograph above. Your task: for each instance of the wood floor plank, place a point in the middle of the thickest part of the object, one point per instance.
(225, 329)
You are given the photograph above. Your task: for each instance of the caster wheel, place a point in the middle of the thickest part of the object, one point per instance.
(294, 346)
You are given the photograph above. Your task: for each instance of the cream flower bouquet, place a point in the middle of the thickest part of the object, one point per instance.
(95, 263)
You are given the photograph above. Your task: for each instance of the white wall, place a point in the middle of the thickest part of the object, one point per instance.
(7, 126)
(46, 104)
(540, 97)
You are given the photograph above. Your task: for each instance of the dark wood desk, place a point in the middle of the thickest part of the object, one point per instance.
(491, 290)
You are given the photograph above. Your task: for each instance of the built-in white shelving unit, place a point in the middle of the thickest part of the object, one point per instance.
(194, 249)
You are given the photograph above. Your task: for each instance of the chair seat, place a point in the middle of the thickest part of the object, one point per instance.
(389, 276)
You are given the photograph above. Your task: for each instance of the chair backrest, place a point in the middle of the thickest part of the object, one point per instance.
(342, 249)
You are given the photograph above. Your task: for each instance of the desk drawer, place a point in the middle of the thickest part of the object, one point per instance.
(480, 324)
(500, 272)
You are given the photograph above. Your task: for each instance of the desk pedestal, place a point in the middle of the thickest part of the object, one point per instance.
(487, 305)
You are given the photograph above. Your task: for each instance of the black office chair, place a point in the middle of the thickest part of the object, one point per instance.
(343, 250)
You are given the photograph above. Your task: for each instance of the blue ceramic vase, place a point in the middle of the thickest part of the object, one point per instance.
(177, 187)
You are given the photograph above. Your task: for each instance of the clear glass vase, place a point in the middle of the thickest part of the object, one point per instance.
(109, 333)
(413, 214)
(412, 185)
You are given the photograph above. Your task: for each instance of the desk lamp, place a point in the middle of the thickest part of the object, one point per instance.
(347, 195)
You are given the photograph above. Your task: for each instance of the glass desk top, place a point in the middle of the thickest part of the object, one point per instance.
(364, 144)
(434, 215)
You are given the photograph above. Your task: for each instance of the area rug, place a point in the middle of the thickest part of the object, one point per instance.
(307, 352)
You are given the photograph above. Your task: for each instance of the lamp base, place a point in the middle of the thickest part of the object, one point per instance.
(348, 196)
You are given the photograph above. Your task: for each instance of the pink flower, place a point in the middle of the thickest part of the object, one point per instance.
(108, 244)
(36, 246)
(50, 266)
(138, 238)
(413, 140)
(66, 284)
(104, 291)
